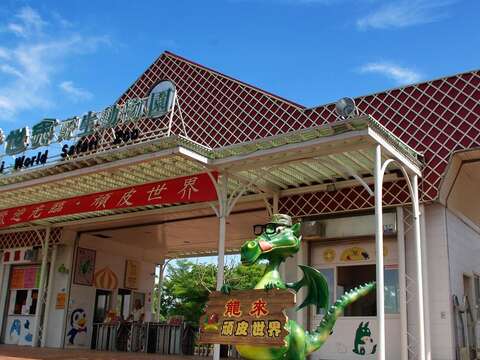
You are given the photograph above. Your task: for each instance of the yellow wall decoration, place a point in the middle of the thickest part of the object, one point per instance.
(106, 279)
(329, 255)
(354, 253)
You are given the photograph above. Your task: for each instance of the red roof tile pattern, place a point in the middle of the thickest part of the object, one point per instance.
(435, 118)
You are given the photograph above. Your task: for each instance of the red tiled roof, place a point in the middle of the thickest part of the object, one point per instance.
(435, 117)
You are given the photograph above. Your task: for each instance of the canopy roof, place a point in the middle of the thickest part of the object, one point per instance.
(292, 163)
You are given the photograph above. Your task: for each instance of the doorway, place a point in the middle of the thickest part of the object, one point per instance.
(102, 306)
(469, 321)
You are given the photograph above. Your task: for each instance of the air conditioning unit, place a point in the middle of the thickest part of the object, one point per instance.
(313, 228)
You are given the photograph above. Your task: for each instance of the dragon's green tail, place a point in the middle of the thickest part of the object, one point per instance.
(317, 338)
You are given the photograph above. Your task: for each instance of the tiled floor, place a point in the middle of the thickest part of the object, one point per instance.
(8, 352)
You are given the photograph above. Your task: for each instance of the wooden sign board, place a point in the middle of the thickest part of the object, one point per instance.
(246, 317)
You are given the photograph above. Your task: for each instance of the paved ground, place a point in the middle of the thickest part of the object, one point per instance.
(28, 353)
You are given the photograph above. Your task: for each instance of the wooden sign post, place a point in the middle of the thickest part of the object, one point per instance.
(252, 317)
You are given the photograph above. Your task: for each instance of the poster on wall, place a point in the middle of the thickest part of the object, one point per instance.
(132, 268)
(84, 267)
(25, 277)
(60, 304)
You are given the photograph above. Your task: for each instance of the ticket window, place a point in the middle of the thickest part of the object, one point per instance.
(342, 279)
(22, 305)
(23, 287)
(23, 302)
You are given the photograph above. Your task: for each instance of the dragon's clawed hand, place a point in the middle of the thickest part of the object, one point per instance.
(275, 284)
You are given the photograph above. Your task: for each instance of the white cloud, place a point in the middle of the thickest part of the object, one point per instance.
(27, 22)
(30, 66)
(398, 14)
(401, 75)
(74, 92)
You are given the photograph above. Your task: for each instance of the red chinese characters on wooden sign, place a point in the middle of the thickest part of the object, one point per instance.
(188, 189)
(246, 317)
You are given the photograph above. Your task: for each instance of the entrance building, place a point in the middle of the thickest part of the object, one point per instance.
(187, 160)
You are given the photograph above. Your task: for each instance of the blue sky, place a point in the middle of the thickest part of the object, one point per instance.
(63, 58)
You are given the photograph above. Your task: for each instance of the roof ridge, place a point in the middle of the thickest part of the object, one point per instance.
(399, 87)
(169, 53)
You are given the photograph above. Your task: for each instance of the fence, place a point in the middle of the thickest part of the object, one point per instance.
(138, 337)
(152, 337)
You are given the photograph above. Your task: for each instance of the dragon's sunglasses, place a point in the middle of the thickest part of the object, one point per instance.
(268, 229)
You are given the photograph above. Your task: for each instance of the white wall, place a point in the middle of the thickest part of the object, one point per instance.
(438, 283)
(292, 273)
(464, 253)
(55, 328)
(112, 255)
(5, 274)
(453, 249)
(341, 343)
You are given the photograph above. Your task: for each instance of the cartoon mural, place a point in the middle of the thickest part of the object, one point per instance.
(363, 340)
(19, 331)
(78, 325)
(14, 332)
(28, 335)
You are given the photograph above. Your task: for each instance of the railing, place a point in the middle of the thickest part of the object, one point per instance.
(104, 337)
(138, 337)
(167, 338)
(153, 337)
(206, 350)
(226, 351)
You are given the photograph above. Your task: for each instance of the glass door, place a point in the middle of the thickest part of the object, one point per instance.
(102, 306)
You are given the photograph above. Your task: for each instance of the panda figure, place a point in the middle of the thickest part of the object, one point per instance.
(78, 327)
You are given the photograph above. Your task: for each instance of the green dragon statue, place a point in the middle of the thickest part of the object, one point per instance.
(278, 241)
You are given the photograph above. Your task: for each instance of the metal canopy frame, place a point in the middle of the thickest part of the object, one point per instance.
(347, 153)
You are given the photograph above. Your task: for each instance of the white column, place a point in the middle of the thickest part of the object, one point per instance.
(162, 266)
(3, 289)
(275, 201)
(378, 174)
(50, 287)
(418, 255)
(222, 212)
(426, 294)
(283, 265)
(41, 290)
(402, 284)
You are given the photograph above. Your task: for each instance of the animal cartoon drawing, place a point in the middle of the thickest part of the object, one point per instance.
(78, 324)
(15, 329)
(363, 340)
(28, 334)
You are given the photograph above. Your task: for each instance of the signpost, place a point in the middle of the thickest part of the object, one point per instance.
(250, 317)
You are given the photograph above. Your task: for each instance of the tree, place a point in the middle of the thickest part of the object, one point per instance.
(187, 286)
